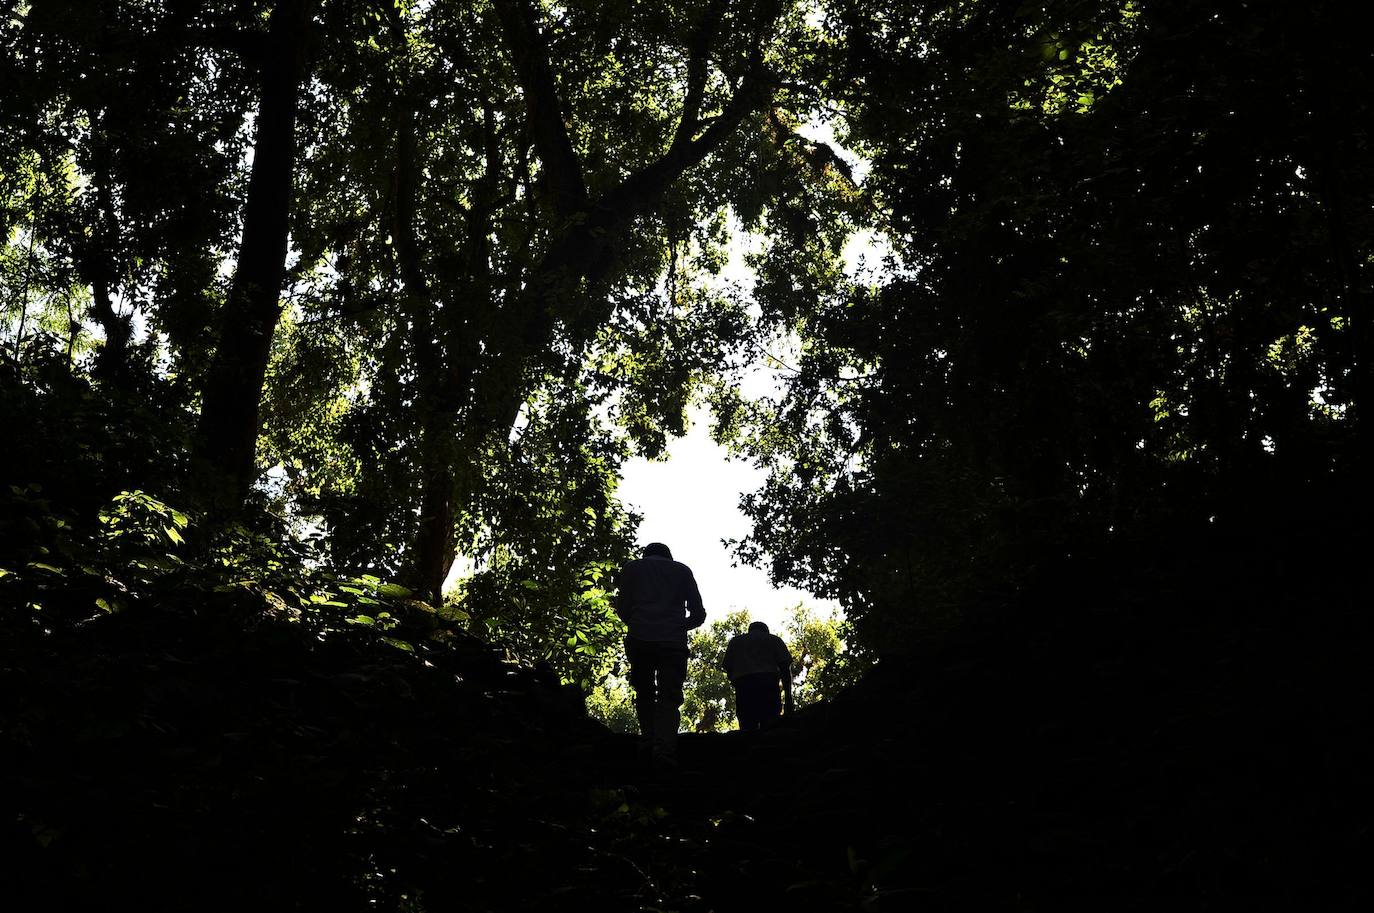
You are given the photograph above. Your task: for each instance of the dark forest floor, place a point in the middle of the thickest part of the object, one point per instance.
(1131, 759)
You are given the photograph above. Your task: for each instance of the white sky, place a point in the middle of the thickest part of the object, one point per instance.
(690, 502)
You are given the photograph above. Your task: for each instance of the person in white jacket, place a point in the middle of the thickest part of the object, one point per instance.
(756, 663)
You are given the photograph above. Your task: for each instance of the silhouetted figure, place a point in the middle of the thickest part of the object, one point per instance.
(757, 662)
(658, 599)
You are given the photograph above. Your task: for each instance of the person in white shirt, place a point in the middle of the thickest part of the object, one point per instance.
(757, 662)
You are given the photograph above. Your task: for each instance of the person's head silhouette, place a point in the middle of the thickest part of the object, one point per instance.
(759, 627)
(657, 550)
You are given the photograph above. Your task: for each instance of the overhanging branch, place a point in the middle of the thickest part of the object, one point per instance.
(644, 188)
(530, 55)
(698, 64)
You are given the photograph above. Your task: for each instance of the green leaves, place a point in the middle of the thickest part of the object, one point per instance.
(138, 516)
(1109, 303)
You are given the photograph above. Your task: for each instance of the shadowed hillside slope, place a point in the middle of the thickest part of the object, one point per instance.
(1186, 741)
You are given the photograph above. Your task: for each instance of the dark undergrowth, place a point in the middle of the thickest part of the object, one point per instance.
(1176, 739)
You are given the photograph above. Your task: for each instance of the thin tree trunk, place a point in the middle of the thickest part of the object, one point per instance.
(227, 436)
(446, 361)
(1331, 136)
(24, 296)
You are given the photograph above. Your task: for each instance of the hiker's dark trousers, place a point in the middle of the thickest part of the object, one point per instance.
(657, 671)
(758, 699)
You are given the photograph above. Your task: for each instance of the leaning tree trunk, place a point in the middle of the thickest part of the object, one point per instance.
(226, 439)
(487, 390)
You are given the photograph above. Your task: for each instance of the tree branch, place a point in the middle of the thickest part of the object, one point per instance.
(644, 188)
(698, 59)
(252, 46)
(530, 55)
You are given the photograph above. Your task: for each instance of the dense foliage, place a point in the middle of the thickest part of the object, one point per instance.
(1126, 297)
(327, 327)
(468, 268)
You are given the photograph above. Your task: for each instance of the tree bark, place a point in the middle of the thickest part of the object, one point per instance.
(112, 361)
(98, 267)
(226, 442)
(446, 357)
(432, 550)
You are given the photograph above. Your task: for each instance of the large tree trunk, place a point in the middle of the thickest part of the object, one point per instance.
(226, 441)
(101, 273)
(431, 552)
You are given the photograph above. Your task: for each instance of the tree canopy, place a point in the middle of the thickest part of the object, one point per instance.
(1126, 296)
(416, 276)
(327, 327)
(419, 277)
